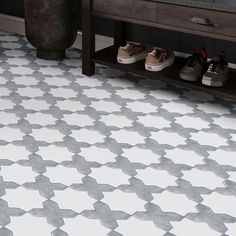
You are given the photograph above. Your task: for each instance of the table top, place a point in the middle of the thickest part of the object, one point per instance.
(223, 5)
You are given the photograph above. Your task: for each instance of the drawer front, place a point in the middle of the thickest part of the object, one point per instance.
(197, 19)
(136, 9)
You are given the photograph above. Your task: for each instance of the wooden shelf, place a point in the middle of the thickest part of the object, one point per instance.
(169, 75)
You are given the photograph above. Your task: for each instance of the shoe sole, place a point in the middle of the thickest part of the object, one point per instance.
(131, 60)
(160, 67)
(189, 77)
(207, 82)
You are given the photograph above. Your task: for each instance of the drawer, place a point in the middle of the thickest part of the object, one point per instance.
(135, 9)
(203, 20)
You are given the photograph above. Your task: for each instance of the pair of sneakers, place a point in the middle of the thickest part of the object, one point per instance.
(214, 73)
(156, 59)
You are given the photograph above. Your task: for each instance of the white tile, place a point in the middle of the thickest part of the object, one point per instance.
(30, 92)
(211, 139)
(136, 227)
(53, 71)
(111, 72)
(14, 53)
(205, 179)
(192, 122)
(130, 94)
(10, 134)
(42, 62)
(177, 203)
(25, 80)
(69, 105)
(13, 153)
(139, 155)
(63, 93)
(186, 157)
(138, 106)
(73, 200)
(100, 155)
(84, 227)
(72, 62)
(8, 118)
(231, 229)
(75, 71)
(30, 225)
(63, 175)
(159, 178)
(21, 70)
(87, 136)
(122, 83)
(11, 45)
(18, 174)
(8, 38)
(116, 120)
(225, 122)
(164, 95)
(105, 106)
(18, 61)
(223, 157)
(187, 227)
(4, 92)
(212, 108)
(121, 201)
(106, 175)
(47, 135)
(233, 137)
(169, 138)
(36, 105)
(175, 107)
(25, 200)
(53, 153)
(154, 121)
(2, 79)
(90, 82)
(6, 104)
(129, 137)
(57, 81)
(96, 93)
(41, 119)
(232, 176)
(221, 204)
(78, 119)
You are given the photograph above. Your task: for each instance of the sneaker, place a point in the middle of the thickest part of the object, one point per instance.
(195, 66)
(218, 72)
(159, 59)
(131, 53)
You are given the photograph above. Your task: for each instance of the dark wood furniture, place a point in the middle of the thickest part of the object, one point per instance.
(203, 18)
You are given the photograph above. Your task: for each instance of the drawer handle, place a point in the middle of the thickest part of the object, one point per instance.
(204, 21)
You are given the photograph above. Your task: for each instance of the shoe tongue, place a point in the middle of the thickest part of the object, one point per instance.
(202, 53)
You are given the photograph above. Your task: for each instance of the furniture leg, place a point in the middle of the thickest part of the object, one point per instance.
(88, 38)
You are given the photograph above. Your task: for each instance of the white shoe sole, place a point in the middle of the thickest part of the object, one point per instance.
(131, 60)
(161, 66)
(189, 77)
(207, 82)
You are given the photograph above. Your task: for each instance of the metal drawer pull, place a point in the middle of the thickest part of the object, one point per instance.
(204, 21)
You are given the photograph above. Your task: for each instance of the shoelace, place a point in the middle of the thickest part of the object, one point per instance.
(216, 67)
(195, 60)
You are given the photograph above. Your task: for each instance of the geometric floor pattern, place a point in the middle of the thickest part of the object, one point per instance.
(114, 154)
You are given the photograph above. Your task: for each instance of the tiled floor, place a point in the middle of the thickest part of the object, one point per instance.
(112, 154)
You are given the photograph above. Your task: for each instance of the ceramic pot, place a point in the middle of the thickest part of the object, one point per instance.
(51, 26)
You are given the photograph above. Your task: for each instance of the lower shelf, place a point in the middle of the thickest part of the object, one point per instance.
(169, 75)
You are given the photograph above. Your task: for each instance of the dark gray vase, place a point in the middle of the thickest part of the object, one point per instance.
(51, 26)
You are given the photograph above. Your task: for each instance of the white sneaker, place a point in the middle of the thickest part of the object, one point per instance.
(132, 52)
(159, 59)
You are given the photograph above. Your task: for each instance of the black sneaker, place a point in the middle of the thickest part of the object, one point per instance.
(218, 72)
(194, 68)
